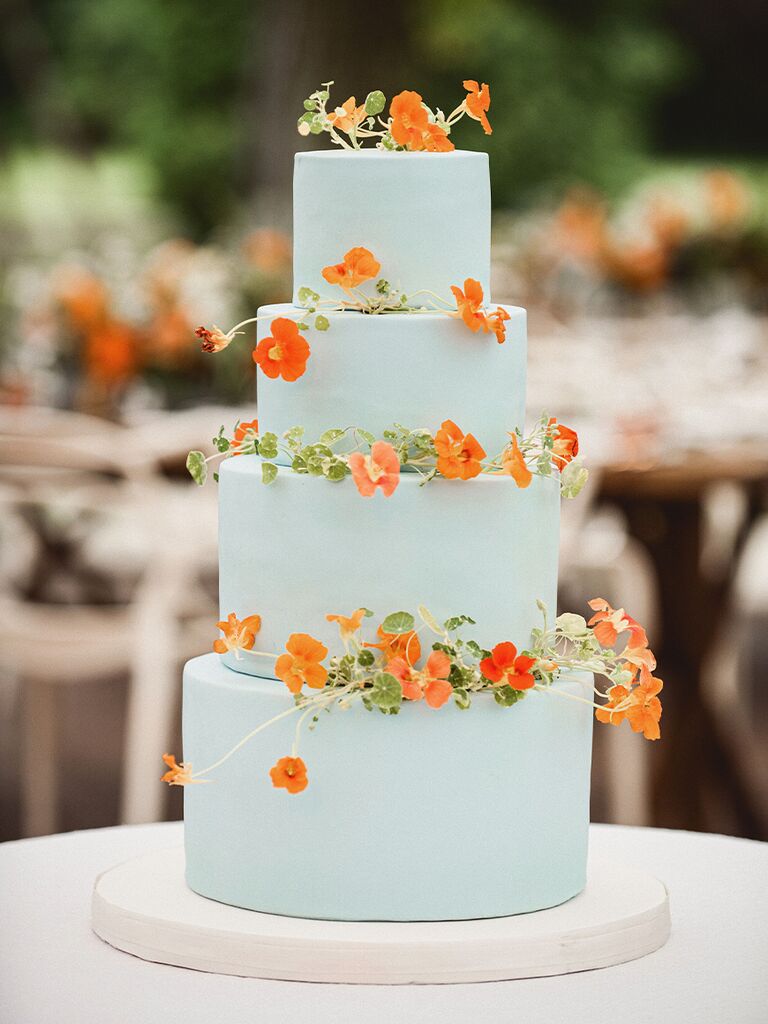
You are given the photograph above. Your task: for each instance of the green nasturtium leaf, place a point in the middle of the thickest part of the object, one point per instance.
(268, 472)
(507, 696)
(331, 436)
(322, 323)
(375, 102)
(268, 446)
(429, 620)
(386, 692)
(197, 467)
(398, 622)
(462, 699)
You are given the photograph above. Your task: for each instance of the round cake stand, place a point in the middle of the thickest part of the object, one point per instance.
(144, 907)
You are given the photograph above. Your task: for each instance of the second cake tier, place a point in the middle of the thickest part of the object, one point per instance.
(417, 369)
(302, 547)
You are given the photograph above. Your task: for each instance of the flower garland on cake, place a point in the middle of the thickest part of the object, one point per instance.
(393, 668)
(549, 449)
(284, 352)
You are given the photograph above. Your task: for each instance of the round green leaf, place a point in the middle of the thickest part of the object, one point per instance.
(398, 622)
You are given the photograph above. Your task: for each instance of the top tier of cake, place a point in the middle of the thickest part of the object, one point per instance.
(425, 216)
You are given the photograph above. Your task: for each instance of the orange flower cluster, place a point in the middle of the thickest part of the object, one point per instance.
(411, 127)
(284, 353)
(431, 682)
(458, 454)
(506, 667)
(359, 265)
(238, 635)
(302, 663)
(289, 773)
(379, 469)
(640, 705)
(469, 307)
(638, 700)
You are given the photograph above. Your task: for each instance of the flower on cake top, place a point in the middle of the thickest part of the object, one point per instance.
(289, 773)
(565, 446)
(469, 307)
(177, 774)
(284, 353)
(379, 469)
(458, 454)
(398, 645)
(477, 103)
(431, 682)
(514, 464)
(506, 667)
(348, 117)
(359, 265)
(348, 625)
(411, 125)
(302, 663)
(213, 339)
(238, 635)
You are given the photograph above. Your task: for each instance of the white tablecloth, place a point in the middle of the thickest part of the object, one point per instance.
(53, 969)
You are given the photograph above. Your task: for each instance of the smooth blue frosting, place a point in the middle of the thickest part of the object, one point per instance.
(302, 547)
(417, 369)
(425, 216)
(426, 815)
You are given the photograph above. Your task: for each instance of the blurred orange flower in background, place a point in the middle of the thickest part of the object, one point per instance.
(111, 352)
(268, 250)
(458, 454)
(284, 353)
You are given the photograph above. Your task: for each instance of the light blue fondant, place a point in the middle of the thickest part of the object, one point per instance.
(301, 547)
(417, 369)
(426, 815)
(425, 216)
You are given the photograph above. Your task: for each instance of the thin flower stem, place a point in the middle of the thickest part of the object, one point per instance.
(246, 739)
(542, 688)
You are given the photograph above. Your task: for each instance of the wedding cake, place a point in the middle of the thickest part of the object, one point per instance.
(388, 588)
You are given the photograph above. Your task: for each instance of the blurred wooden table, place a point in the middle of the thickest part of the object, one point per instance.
(664, 505)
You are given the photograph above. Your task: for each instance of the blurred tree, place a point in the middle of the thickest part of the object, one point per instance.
(572, 85)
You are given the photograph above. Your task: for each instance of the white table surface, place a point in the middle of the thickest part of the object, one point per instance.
(53, 969)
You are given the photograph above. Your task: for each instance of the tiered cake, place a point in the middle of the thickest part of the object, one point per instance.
(425, 815)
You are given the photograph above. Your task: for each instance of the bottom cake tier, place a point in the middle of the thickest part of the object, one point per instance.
(422, 816)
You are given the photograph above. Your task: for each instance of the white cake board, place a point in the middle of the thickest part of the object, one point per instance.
(144, 907)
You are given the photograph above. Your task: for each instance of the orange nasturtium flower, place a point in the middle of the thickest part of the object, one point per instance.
(610, 622)
(302, 663)
(469, 304)
(398, 645)
(289, 773)
(614, 710)
(213, 338)
(514, 464)
(478, 103)
(284, 353)
(348, 626)
(431, 683)
(177, 774)
(506, 667)
(566, 443)
(347, 117)
(359, 266)
(244, 432)
(496, 321)
(644, 712)
(458, 454)
(238, 635)
(410, 125)
(379, 469)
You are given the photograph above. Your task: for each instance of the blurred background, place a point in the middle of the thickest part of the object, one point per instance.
(145, 188)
